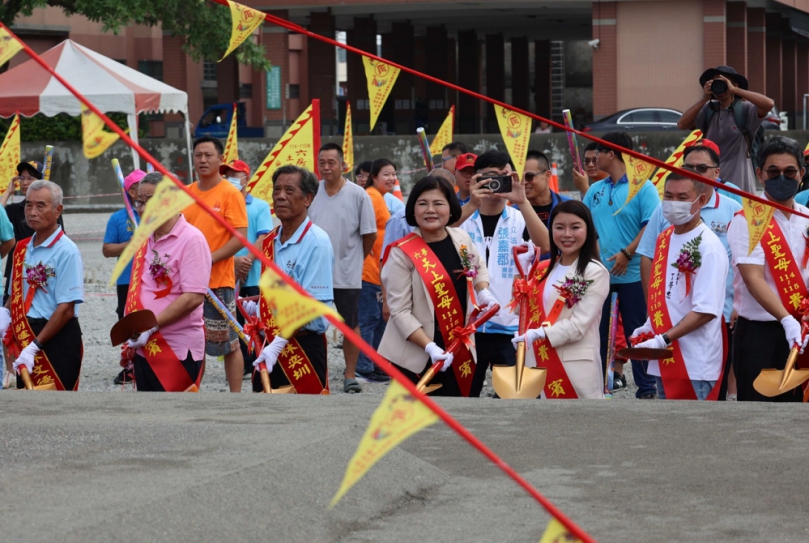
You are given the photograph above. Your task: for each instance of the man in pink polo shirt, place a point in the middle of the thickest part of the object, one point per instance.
(170, 276)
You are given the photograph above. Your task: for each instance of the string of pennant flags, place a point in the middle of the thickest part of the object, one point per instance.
(293, 306)
(299, 146)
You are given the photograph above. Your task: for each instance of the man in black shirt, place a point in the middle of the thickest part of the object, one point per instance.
(28, 173)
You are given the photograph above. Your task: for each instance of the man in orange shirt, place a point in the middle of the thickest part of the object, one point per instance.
(226, 200)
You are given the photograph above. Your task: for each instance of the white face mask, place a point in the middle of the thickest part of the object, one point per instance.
(236, 182)
(678, 213)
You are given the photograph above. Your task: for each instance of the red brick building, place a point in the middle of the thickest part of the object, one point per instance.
(531, 53)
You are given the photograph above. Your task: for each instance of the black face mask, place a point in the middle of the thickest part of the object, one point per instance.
(781, 188)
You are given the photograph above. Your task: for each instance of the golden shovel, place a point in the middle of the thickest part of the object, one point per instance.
(475, 322)
(29, 383)
(518, 382)
(514, 382)
(771, 382)
(265, 383)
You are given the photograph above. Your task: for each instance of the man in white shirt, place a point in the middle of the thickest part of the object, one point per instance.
(772, 279)
(496, 228)
(686, 297)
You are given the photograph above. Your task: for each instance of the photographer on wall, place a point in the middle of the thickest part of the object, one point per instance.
(730, 115)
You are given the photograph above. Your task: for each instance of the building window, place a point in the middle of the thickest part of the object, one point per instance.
(209, 71)
(152, 68)
(246, 90)
(294, 90)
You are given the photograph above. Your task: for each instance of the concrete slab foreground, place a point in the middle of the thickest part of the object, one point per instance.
(146, 467)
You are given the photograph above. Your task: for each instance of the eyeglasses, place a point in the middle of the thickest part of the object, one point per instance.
(140, 203)
(590, 160)
(701, 169)
(25, 179)
(789, 173)
(529, 176)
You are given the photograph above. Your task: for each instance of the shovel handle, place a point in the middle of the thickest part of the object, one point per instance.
(26, 378)
(265, 378)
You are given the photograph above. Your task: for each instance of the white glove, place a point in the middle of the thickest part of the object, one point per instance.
(5, 321)
(269, 355)
(530, 336)
(26, 358)
(793, 331)
(485, 299)
(142, 340)
(656, 342)
(250, 308)
(527, 258)
(646, 328)
(436, 354)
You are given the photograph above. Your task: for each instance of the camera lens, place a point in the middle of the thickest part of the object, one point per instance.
(494, 184)
(718, 86)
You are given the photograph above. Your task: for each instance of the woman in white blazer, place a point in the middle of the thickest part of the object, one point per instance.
(412, 339)
(574, 335)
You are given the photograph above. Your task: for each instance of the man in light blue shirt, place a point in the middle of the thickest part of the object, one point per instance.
(304, 252)
(52, 266)
(618, 237)
(716, 214)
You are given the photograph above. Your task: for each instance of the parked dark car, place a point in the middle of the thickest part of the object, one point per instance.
(640, 118)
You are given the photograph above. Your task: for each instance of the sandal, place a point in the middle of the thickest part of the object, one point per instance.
(351, 386)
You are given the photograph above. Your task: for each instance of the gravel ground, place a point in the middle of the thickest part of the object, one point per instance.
(97, 315)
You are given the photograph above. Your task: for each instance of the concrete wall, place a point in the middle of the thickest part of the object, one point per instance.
(83, 180)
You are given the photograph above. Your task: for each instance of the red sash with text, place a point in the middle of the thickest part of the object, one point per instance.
(673, 372)
(293, 360)
(23, 334)
(167, 367)
(445, 301)
(784, 269)
(557, 382)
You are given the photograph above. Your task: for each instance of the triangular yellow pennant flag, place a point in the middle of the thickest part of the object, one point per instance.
(380, 78)
(348, 142)
(95, 139)
(9, 46)
(243, 21)
(557, 533)
(298, 146)
(168, 200)
(637, 172)
(445, 133)
(758, 217)
(676, 159)
(10, 154)
(399, 416)
(232, 145)
(516, 131)
(290, 309)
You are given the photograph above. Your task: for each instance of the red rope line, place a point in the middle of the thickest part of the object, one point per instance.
(349, 334)
(651, 160)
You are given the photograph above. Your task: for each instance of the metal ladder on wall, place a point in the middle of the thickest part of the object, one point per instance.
(557, 79)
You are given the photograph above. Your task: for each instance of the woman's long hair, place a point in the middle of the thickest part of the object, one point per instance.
(588, 251)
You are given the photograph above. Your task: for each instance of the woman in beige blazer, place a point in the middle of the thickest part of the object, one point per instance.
(575, 335)
(412, 339)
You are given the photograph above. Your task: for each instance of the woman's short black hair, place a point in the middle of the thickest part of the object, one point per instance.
(363, 167)
(430, 183)
(589, 251)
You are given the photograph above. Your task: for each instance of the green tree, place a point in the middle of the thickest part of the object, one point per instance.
(204, 25)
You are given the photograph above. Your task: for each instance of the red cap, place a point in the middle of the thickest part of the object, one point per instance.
(709, 144)
(466, 160)
(237, 165)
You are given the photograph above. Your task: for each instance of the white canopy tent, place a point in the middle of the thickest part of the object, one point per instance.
(29, 89)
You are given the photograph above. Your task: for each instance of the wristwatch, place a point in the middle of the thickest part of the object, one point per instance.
(666, 339)
(626, 254)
